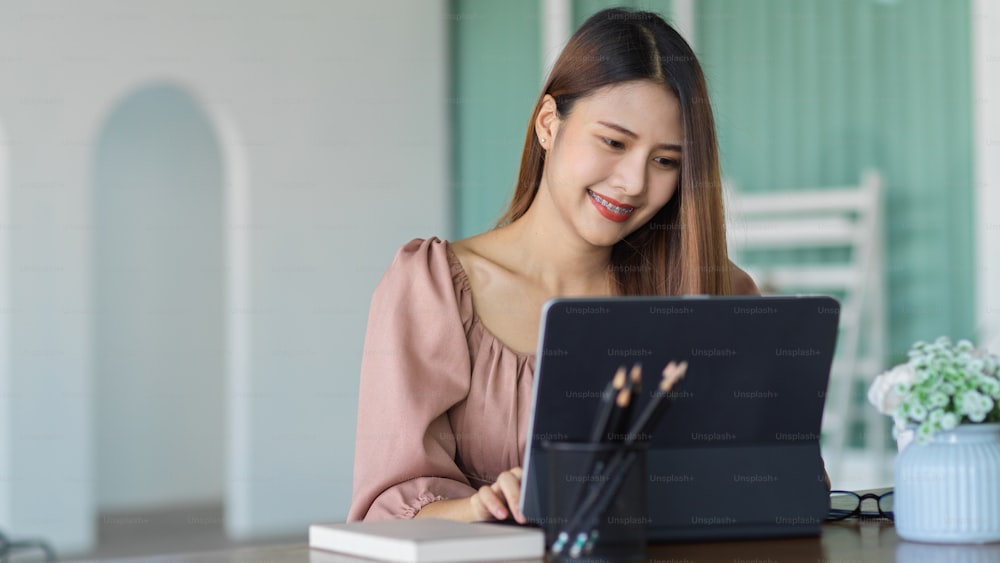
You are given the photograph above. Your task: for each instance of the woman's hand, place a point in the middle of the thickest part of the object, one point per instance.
(491, 502)
(501, 499)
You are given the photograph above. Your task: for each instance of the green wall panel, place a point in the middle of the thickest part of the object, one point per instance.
(496, 77)
(808, 93)
(583, 9)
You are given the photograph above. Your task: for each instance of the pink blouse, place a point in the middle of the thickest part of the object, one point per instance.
(444, 406)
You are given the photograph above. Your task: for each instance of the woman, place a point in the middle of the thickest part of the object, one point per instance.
(618, 193)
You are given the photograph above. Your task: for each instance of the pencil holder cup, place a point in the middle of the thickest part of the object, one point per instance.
(597, 501)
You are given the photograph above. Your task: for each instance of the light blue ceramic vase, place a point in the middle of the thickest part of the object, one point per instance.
(948, 490)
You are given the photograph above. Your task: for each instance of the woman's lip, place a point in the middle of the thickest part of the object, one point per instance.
(614, 202)
(607, 213)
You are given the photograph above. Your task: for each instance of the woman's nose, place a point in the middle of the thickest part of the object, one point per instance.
(630, 173)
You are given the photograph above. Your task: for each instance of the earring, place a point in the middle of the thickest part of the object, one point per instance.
(541, 141)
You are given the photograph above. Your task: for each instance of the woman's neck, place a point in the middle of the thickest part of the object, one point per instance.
(561, 264)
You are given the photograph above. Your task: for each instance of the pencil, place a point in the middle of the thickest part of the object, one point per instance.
(606, 405)
(641, 431)
(634, 387)
(616, 477)
(618, 423)
(606, 409)
(646, 423)
(636, 376)
(607, 419)
(598, 499)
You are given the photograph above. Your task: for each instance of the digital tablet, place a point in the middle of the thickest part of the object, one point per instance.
(737, 454)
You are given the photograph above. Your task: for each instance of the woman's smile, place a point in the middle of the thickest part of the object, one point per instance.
(610, 208)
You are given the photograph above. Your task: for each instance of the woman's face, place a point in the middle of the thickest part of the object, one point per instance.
(613, 162)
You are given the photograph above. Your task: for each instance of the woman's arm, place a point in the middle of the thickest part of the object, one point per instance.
(459, 509)
(414, 369)
(496, 501)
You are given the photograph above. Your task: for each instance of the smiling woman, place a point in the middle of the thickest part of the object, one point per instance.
(617, 47)
(619, 193)
(608, 155)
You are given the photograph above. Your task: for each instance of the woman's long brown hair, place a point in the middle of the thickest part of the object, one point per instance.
(682, 249)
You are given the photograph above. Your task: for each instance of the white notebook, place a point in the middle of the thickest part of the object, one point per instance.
(429, 540)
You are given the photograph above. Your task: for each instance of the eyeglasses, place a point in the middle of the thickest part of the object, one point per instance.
(845, 504)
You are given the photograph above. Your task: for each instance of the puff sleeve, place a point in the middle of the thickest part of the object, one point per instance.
(416, 366)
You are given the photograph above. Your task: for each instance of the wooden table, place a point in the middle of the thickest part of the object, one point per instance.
(855, 540)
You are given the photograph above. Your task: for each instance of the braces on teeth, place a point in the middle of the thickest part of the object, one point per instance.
(611, 206)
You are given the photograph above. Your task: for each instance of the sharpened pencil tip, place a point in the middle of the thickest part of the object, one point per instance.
(636, 376)
(624, 398)
(671, 374)
(619, 379)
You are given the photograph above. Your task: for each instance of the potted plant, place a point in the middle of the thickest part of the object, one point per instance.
(947, 481)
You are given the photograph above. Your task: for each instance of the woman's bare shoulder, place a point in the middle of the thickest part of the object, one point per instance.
(469, 252)
(743, 284)
(478, 252)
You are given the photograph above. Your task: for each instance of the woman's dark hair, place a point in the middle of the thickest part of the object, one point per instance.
(682, 249)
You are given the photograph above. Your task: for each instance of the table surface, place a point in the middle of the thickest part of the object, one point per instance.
(854, 540)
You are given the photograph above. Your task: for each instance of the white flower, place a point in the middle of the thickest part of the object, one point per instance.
(940, 387)
(949, 421)
(884, 394)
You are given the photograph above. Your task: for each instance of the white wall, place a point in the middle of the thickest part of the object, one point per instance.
(332, 119)
(5, 314)
(986, 121)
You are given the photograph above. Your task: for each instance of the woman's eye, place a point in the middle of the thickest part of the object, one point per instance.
(667, 162)
(612, 143)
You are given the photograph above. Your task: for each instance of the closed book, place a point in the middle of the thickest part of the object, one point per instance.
(429, 540)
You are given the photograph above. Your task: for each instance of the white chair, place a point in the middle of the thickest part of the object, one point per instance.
(816, 223)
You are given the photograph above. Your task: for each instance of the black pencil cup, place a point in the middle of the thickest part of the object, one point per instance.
(597, 501)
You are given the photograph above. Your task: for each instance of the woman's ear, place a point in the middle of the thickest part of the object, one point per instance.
(547, 122)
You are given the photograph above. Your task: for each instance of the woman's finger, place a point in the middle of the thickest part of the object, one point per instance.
(509, 483)
(492, 502)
